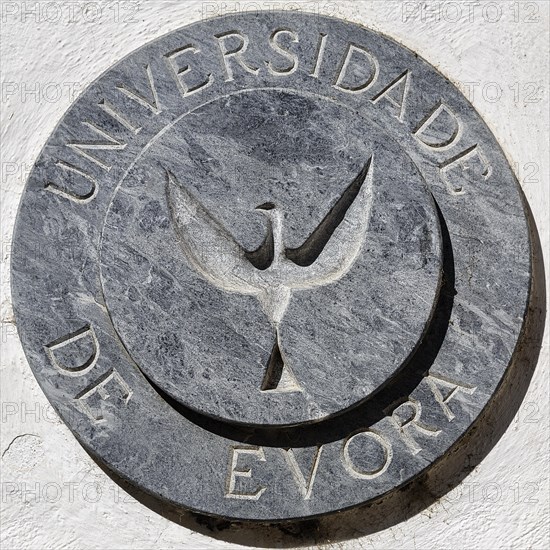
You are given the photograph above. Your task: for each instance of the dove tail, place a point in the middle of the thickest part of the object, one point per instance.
(278, 376)
(274, 369)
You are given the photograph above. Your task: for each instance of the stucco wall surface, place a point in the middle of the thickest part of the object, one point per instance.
(54, 496)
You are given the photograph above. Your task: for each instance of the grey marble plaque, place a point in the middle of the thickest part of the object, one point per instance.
(282, 266)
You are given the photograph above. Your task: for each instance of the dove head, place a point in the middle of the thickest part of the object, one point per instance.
(266, 207)
(275, 227)
(273, 213)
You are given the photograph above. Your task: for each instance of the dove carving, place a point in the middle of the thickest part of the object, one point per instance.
(272, 272)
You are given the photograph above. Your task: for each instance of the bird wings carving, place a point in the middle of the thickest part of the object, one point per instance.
(207, 245)
(326, 255)
(332, 248)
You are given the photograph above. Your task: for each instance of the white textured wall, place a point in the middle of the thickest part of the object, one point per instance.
(53, 494)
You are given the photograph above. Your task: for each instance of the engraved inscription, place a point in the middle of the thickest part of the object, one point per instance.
(377, 469)
(444, 390)
(319, 56)
(460, 162)
(89, 400)
(110, 144)
(395, 93)
(235, 472)
(236, 54)
(152, 104)
(407, 417)
(85, 335)
(112, 112)
(179, 72)
(364, 455)
(353, 53)
(304, 485)
(75, 197)
(441, 129)
(291, 57)
(356, 73)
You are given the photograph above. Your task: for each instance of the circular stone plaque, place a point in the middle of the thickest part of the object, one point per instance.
(283, 266)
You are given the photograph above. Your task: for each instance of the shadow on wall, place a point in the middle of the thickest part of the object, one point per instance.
(418, 494)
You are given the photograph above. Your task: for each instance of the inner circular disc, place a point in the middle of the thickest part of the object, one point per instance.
(212, 345)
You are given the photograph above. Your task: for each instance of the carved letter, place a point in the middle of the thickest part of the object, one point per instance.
(402, 84)
(319, 55)
(460, 161)
(230, 491)
(375, 472)
(82, 367)
(305, 486)
(179, 72)
(82, 199)
(153, 105)
(111, 144)
(435, 132)
(99, 387)
(108, 108)
(236, 53)
(405, 421)
(293, 58)
(439, 385)
(352, 49)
